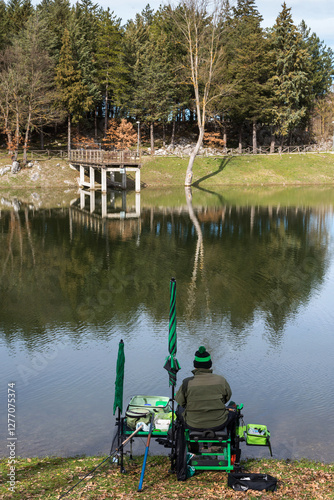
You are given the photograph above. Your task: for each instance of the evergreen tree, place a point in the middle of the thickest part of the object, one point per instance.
(109, 56)
(55, 14)
(290, 84)
(321, 63)
(3, 18)
(17, 14)
(83, 29)
(73, 93)
(155, 80)
(248, 66)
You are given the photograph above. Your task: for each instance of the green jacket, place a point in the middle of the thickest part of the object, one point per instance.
(204, 396)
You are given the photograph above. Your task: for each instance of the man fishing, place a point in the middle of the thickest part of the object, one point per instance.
(202, 397)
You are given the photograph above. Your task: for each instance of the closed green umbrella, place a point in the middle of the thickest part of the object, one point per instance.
(171, 363)
(118, 401)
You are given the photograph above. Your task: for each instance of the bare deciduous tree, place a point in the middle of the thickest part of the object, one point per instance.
(27, 91)
(200, 26)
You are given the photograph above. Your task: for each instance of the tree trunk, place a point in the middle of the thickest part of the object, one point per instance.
(272, 141)
(26, 139)
(189, 172)
(95, 122)
(152, 138)
(240, 140)
(41, 136)
(17, 134)
(106, 112)
(225, 137)
(254, 138)
(173, 133)
(164, 134)
(69, 135)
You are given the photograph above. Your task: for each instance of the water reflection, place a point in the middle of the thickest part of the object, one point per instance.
(112, 204)
(267, 259)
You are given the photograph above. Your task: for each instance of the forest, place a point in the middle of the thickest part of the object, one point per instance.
(197, 70)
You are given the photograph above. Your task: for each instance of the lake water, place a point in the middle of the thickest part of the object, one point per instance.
(255, 286)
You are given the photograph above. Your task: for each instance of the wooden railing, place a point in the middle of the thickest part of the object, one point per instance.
(101, 157)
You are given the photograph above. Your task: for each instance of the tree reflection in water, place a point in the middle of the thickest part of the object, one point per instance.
(56, 267)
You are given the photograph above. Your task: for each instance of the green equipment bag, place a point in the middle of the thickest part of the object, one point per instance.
(257, 435)
(137, 415)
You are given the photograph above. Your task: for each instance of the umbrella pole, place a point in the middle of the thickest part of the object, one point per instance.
(119, 441)
(172, 461)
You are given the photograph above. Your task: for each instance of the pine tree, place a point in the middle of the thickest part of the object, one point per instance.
(55, 14)
(247, 67)
(110, 57)
(321, 63)
(73, 93)
(290, 84)
(83, 29)
(154, 78)
(17, 15)
(3, 18)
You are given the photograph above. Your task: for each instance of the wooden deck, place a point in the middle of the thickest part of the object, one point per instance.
(107, 162)
(101, 157)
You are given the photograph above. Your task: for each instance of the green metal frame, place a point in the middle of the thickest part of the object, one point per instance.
(225, 451)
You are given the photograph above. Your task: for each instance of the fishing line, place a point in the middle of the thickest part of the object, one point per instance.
(99, 465)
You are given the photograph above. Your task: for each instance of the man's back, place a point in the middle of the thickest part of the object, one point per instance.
(204, 396)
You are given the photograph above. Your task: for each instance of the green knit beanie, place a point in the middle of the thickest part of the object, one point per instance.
(202, 358)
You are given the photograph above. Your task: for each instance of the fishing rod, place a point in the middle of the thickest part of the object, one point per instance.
(109, 456)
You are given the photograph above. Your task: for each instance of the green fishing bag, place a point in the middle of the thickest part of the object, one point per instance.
(257, 435)
(135, 415)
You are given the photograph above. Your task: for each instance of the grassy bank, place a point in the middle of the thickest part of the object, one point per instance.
(49, 478)
(293, 169)
(246, 170)
(286, 179)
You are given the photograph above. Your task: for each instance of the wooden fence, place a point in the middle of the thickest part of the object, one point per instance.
(262, 150)
(101, 157)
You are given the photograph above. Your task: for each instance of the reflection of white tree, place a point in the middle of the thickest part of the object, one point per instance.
(198, 260)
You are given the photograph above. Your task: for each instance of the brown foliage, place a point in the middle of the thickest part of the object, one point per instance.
(213, 139)
(120, 135)
(82, 142)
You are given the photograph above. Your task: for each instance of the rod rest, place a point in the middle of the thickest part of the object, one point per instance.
(208, 434)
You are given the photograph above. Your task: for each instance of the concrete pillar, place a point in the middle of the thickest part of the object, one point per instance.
(92, 177)
(104, 204)
(92, 201)
(104, 179)
(138, 204)
(82, 199)
(137, 182)
(82, 175)
(123, 178)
